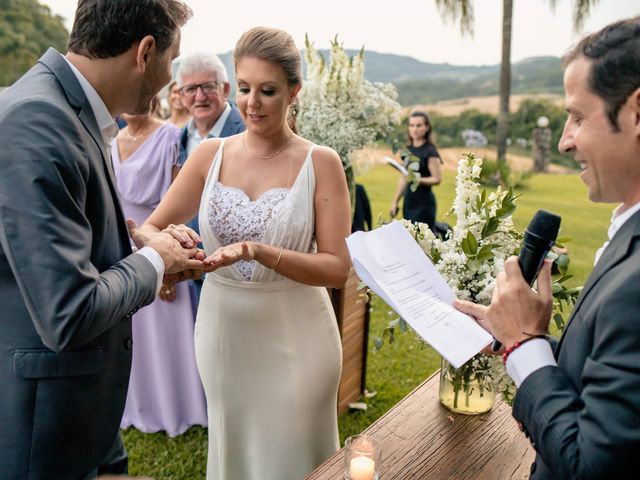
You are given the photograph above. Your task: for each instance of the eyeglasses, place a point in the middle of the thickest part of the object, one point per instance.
(191, 90)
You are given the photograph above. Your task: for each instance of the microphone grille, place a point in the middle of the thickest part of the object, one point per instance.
(544, 225)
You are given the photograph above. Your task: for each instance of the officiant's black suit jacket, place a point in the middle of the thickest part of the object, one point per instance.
(583, 417)
(68, 281)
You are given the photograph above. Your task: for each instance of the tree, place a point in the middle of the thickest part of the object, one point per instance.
(462, 11)
(27, 29)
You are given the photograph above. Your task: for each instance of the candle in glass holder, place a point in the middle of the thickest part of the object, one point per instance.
(362, 458)
(362, 468)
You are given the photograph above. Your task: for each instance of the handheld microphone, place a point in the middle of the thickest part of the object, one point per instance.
(539, 237)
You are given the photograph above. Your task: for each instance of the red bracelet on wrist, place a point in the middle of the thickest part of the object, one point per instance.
(508, 351)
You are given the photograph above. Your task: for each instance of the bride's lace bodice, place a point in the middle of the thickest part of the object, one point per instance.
(234, 217)
(282, 217)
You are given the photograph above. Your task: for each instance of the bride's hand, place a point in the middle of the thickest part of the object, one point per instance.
(192, 274)
(187, 237)
(230, 254)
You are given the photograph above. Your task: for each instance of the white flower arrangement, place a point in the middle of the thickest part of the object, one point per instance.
(472, 255)
(339, 107)
(470, 258)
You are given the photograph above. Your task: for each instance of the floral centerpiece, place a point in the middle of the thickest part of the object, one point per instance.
(340, 108)
(469, 259)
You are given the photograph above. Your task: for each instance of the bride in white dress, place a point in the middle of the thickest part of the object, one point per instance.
(274, 213)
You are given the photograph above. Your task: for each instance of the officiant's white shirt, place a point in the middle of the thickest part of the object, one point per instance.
(537, 353)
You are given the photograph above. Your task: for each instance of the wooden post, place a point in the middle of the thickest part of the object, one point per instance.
(352, 313)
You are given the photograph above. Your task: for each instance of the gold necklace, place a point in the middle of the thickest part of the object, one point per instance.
(266, 157)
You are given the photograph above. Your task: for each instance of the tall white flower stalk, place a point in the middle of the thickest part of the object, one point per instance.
(483, 237)
(339, 107)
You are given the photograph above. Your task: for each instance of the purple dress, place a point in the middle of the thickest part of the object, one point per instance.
(165, 392)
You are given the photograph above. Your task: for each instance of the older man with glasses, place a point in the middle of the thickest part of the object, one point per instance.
(204, 90)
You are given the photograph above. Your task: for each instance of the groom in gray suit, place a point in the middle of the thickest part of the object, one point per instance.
(69, 282)
(580, 403)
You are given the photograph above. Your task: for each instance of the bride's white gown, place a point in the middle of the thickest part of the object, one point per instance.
(268, 348)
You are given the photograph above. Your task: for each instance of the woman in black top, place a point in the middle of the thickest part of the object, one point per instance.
(420, 206)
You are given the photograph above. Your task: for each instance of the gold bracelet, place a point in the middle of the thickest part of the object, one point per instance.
(278, 260)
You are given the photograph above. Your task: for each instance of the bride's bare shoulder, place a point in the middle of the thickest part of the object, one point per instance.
(326, 160)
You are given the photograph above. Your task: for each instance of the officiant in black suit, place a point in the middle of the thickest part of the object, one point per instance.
(68, 280)
(580, 402)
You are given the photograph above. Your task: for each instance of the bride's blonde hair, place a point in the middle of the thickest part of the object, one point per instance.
(272, 45)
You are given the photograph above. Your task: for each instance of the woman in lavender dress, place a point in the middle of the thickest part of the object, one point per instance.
(165, 392)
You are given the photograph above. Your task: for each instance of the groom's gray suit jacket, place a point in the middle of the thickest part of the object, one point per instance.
(583, 417)
(68, 281)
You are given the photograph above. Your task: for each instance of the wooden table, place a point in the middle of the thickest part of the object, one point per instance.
(422, 439)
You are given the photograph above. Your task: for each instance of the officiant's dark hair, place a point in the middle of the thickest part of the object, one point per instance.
(427, 121)
(108, 28)
(614, 53)
(272, 45)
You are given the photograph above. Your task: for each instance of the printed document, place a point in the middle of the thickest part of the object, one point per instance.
(390, 262)
(397, 165)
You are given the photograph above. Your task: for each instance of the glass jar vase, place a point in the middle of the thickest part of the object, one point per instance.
(468, 389)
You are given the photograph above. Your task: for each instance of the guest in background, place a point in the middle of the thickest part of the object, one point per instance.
(204, 88)
(420, 205)
(362, 211)
(165, 393)
(178, 113)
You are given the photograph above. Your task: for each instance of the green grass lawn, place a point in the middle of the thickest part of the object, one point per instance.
(397, 369)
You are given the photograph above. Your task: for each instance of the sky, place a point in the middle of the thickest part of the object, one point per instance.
(405, 27)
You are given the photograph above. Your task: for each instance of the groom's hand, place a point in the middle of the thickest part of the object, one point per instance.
(175, 257)
(192, 274)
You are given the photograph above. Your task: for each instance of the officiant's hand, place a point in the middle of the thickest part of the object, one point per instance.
(175, 257)
(517, 312)
(479, 312)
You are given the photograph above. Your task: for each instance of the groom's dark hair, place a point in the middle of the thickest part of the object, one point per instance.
(108, 28)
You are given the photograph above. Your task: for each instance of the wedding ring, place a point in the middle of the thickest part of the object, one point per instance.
(171, 226)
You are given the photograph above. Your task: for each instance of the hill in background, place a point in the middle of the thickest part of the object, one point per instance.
(533, 75)
(426, 83)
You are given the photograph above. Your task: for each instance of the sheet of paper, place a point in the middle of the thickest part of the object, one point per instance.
(392, 264)
(398, 166)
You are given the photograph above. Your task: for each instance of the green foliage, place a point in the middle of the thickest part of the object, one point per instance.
(412, 164)
(27, 29)
(564, 297)
(163, 458)
(494, 174)
(448, 130)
